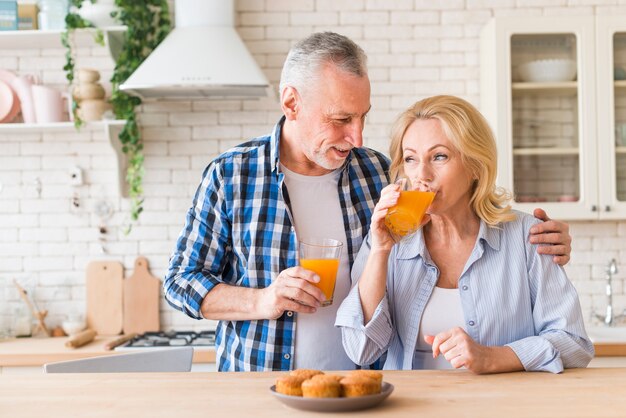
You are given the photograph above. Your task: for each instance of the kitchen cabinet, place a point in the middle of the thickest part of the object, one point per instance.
(561, 144)
(45, 39)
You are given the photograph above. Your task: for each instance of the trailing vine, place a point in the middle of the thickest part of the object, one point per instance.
(75, 21)
(148, 23)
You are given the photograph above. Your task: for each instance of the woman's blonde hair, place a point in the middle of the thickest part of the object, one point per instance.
(470, 134)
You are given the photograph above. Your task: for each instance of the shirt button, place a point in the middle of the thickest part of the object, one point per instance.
(471, 323)
(464, 287)
(287, 356)
(289, 313)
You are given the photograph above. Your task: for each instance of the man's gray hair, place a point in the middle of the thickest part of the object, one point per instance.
(307, 56)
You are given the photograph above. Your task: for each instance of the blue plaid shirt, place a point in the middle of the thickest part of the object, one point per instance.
(239, 232)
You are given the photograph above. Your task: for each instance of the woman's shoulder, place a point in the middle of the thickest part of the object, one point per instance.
(520, 225)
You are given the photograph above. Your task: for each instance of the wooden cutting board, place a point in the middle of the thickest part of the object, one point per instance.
(104, 296)
(141, 299)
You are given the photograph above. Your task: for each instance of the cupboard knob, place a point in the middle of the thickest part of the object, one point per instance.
(594, 208)
(607, 208)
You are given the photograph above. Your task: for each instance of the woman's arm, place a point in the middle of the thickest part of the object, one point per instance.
(373, 280)
(364, 315)
(462, 351)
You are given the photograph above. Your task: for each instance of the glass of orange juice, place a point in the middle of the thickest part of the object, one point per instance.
(406, 216)
(322, 257)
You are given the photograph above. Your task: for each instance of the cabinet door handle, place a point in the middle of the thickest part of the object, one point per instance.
(594, 208)
(607, 208)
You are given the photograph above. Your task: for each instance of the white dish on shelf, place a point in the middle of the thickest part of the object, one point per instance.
(548, 70)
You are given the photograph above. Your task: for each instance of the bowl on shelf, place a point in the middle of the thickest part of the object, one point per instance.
(548, 70)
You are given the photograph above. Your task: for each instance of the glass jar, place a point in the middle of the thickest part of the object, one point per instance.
(52, 14)
(22, 322)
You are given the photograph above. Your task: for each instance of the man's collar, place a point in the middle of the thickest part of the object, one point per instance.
(275, 147)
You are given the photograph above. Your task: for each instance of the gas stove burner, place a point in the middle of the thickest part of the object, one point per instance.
(173, 339)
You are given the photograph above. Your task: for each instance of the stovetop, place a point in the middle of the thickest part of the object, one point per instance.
(172, 339)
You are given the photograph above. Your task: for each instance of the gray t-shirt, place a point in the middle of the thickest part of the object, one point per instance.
(317, 213)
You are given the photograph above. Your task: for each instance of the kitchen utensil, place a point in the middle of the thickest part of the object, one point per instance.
(88, 91)
(119, 341)
(39, 314)
(546, 70)
(73, 325)
(105, 297)
(87, 75)
(92, 110)
(9, 78)
(81, 339)
(49, 104)
(23, 87)
(141, 299)
(9, 103)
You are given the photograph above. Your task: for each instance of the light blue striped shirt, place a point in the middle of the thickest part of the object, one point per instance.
(510, 295)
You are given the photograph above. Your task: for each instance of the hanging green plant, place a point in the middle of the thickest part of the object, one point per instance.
(75, 21)
(147, 24)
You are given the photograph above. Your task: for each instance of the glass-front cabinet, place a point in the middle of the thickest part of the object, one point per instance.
(611, 86)
(557, 112)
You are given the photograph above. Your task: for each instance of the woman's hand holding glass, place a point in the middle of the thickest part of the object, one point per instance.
(402, 207)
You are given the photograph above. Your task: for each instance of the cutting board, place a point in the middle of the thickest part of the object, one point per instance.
(141, 299)
(104, 296)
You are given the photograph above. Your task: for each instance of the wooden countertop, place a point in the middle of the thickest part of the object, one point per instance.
(38, 351)
(423, 394)
(609, 349)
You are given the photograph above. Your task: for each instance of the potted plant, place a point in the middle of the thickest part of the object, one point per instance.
(148, 23)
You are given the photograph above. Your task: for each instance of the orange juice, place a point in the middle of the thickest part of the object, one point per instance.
(326, 268)
(405, 217)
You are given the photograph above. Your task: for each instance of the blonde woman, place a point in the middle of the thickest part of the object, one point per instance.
(468, 289)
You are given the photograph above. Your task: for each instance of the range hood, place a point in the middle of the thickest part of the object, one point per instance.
(202, 58)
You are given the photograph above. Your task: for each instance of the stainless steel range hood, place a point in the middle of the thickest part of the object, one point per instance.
(203, 57)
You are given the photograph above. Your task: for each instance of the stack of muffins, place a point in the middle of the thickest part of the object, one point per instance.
(315, 384)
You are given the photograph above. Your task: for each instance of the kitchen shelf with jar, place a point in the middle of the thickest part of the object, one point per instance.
(548, 91)
(46, 39)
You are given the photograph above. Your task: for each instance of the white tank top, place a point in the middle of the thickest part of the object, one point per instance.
(442, 312)
(317, 213)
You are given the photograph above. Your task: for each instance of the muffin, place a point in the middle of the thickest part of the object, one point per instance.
(289, 385)
(321, 386)
(332, 376)
(305, 373)
(353, 386)
(370, 374)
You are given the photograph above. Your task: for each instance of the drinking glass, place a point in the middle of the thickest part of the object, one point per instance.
(322, 257)
(406, 216)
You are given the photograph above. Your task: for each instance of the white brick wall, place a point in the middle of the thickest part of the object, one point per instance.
(416, 48)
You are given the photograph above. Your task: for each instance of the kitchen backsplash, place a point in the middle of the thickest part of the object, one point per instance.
(416, 48)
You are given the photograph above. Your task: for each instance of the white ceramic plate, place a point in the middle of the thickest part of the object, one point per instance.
(334, 404)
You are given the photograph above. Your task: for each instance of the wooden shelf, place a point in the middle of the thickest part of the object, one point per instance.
(111, 129)
(46, 39)
(546, 151)
(620, 150)
(58, 126)
(565, 87)
(620, 84)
